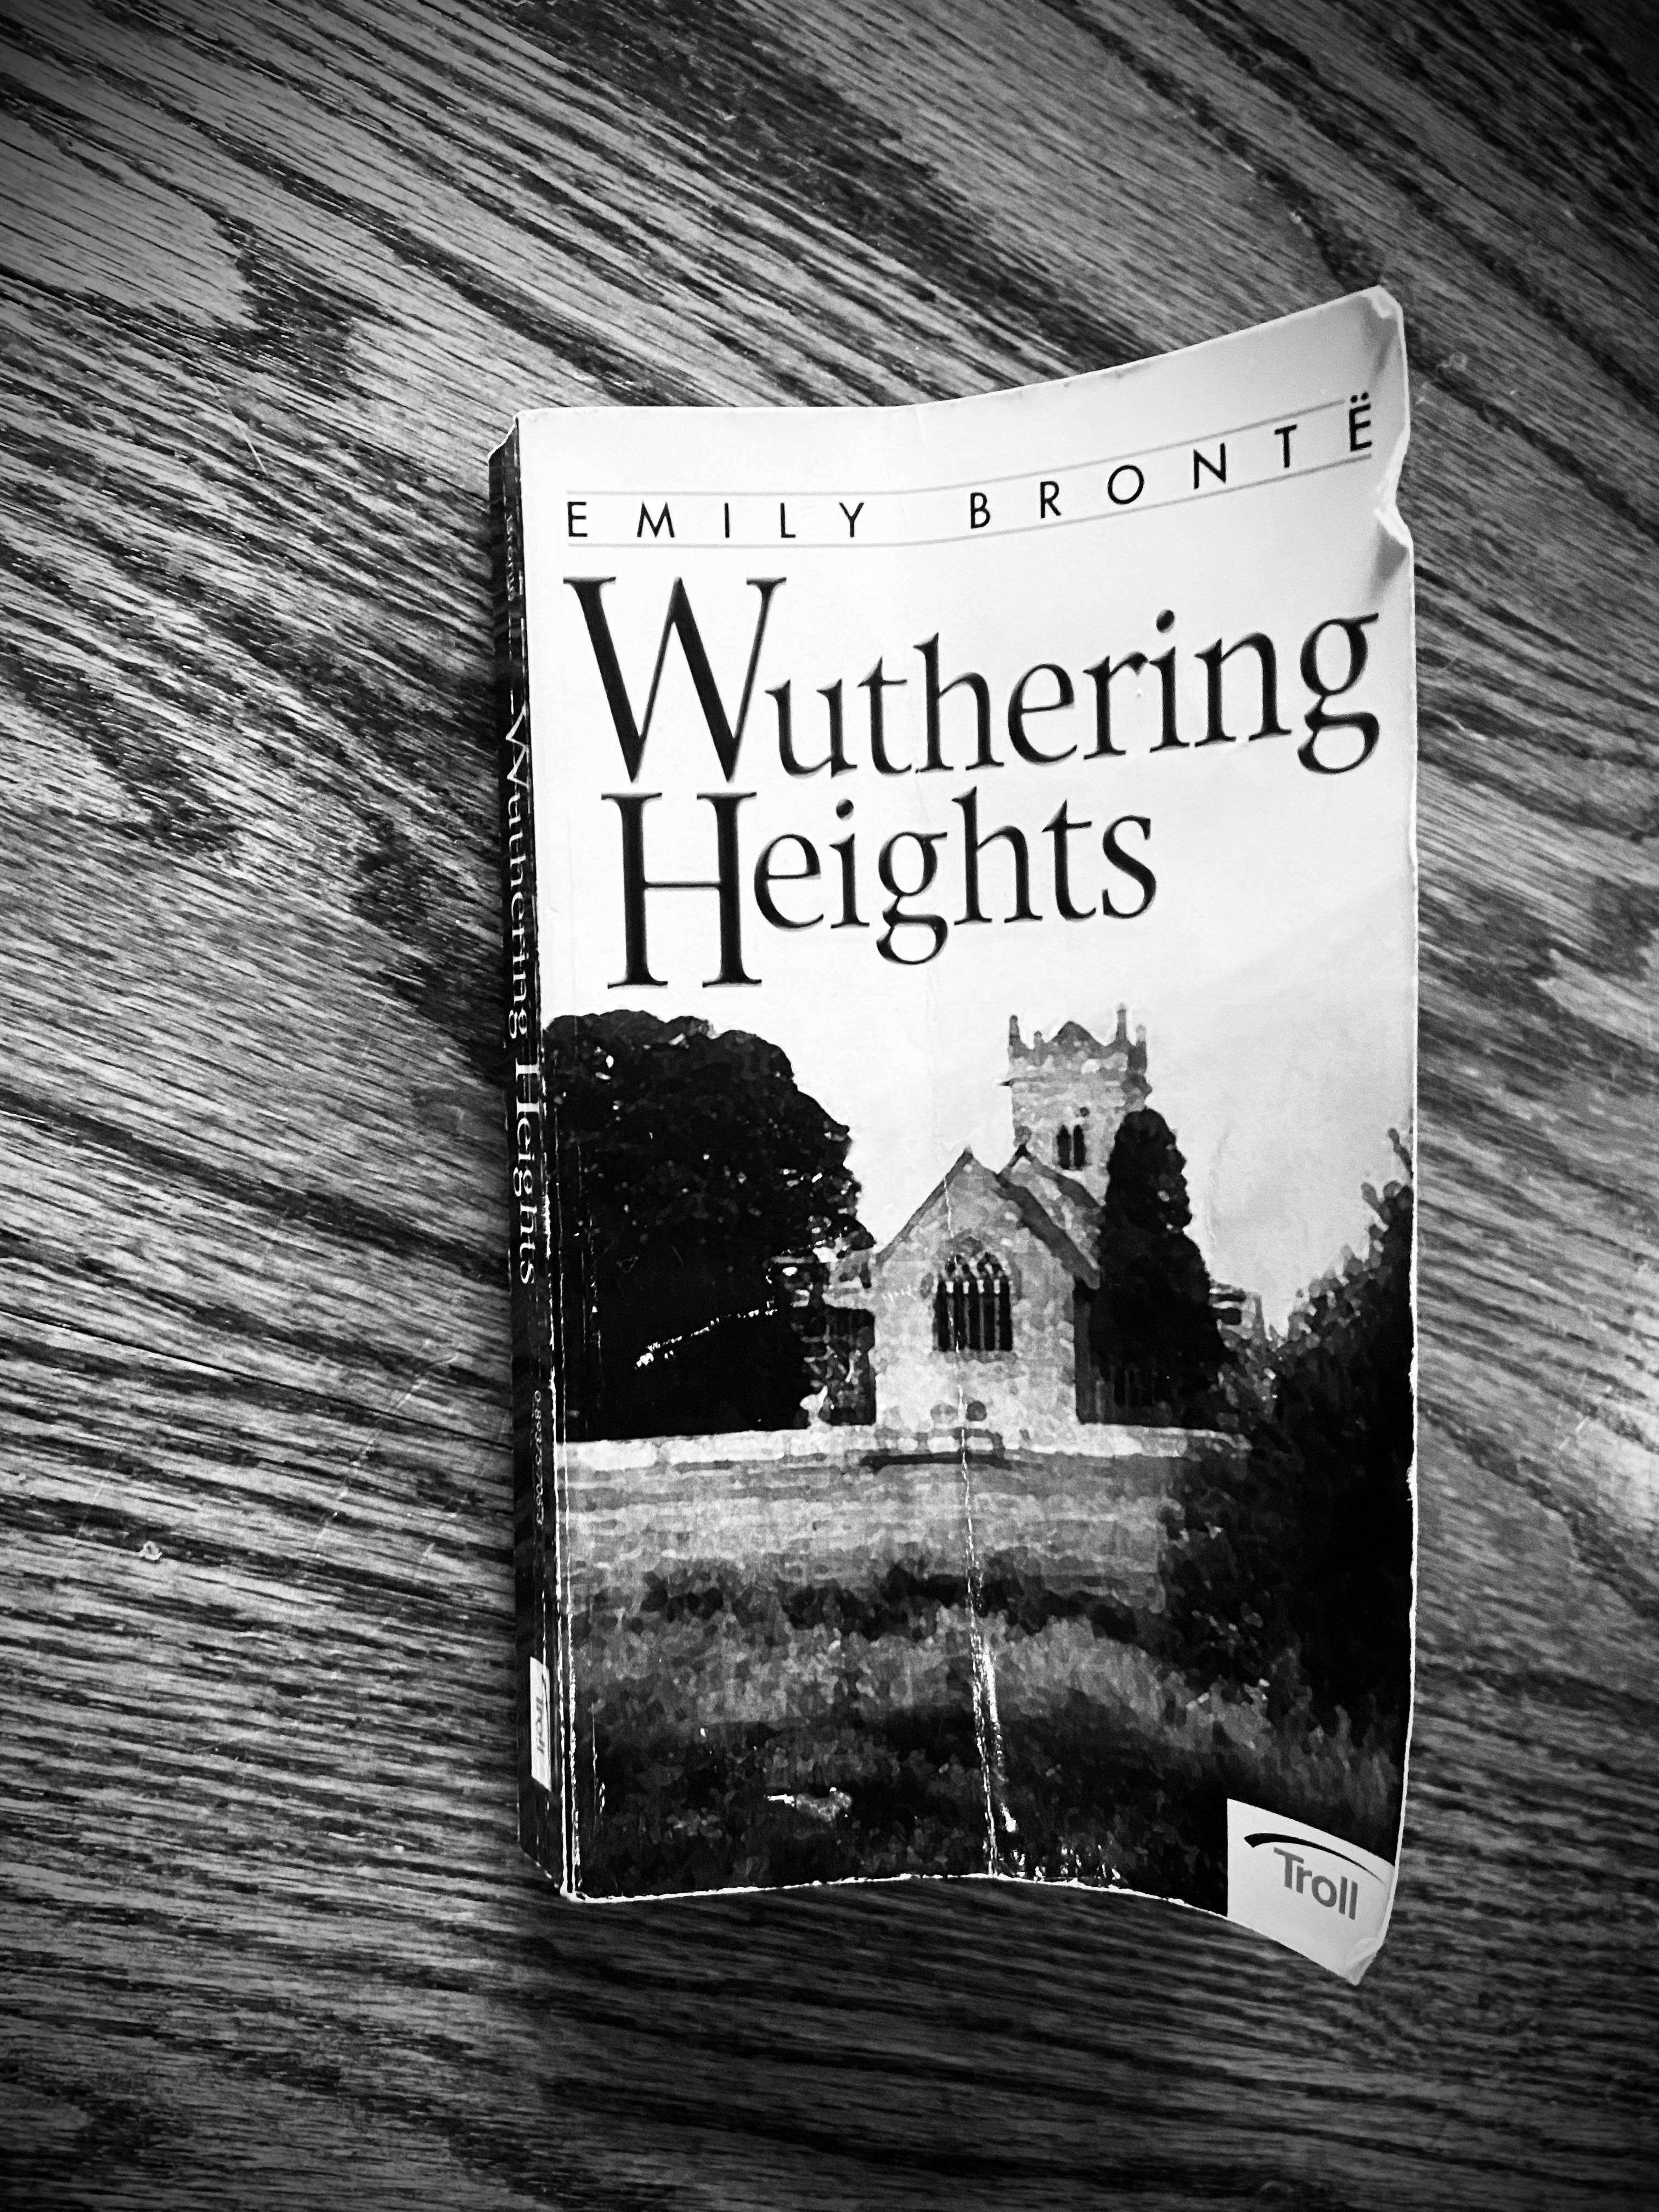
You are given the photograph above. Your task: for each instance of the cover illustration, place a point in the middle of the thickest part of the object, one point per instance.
(960, 918)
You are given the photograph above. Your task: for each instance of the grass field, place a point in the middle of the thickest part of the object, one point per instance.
(736, 1726)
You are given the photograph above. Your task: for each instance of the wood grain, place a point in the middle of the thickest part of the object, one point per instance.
(276, 277)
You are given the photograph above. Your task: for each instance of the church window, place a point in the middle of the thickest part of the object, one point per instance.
(973, 1306)
(1063, 1147)
(1079, 1147)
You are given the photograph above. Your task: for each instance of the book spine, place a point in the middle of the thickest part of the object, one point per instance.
(542, 1707)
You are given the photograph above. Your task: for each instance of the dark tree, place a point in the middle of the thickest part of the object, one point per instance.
(1151, 1321)
(1294, 1563)
(686, 1166)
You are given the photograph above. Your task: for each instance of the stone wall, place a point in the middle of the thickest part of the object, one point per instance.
(809, 1506)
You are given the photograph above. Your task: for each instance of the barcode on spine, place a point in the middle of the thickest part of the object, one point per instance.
(541, 1726)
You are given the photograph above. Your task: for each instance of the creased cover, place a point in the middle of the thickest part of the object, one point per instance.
(975, 936)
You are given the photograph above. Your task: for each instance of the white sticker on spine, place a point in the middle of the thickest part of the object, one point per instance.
(541, 1726)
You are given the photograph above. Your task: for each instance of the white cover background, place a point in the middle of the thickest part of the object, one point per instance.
(1275, 971)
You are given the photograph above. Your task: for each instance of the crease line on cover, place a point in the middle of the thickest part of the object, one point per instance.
(987, 1726)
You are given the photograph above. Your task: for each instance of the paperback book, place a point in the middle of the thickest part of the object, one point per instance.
(960, 924)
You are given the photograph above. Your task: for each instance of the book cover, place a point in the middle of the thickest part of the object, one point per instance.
(960, 917)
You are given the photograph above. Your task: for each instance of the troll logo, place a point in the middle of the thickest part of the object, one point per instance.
(1318, 1893)
(1338, 1893)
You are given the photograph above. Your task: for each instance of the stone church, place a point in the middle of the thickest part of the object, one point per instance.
(976, 1312)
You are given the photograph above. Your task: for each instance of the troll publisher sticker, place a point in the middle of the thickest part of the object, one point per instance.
(1318, 1893)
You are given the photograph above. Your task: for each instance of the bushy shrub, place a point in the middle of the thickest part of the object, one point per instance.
(684, 1163)
(1292, 1566)
(1152, 1325)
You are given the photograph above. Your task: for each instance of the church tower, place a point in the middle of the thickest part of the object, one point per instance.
(1069, 1093)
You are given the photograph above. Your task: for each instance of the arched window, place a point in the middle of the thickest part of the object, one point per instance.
(1079, 1147)
(973, 1306)
(1063, 1147)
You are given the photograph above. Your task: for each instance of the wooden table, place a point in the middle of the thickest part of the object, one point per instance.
(276, 278)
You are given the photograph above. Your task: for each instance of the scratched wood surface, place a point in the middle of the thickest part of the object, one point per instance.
(275, 279)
